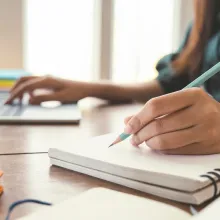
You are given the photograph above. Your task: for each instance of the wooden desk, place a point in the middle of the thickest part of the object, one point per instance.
(31, 176)
(97, 120)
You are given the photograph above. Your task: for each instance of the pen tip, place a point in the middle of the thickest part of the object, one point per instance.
(110, 145)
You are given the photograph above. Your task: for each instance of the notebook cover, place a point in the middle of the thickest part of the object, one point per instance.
(12, 74)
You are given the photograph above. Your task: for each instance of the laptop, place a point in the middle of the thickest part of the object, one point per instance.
(47, 113)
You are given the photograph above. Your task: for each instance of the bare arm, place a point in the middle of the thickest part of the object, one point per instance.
(140, 92)
(67, 90)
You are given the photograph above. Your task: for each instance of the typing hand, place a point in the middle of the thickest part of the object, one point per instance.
(190, 123)
(58, 89)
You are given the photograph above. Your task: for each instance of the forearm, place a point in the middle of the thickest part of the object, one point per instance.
(140, 92)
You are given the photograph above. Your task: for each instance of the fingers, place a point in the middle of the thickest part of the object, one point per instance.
(173, 122)
(22, 80)
(194, 149)
(185, 122)
(176, 139)
(194, 140)
(161, 106)
(27, 86)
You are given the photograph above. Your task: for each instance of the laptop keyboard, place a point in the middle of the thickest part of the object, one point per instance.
(8, 110)
(3, 97)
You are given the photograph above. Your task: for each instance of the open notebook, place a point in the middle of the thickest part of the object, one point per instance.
(99, 204)
(174, 177)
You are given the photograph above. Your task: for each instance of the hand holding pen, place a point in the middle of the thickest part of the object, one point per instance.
(183, 122)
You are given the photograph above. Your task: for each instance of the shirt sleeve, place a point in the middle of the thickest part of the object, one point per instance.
(212, 52)
(169, 81)
(211, 57)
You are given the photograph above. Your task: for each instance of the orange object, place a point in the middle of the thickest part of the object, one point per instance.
(1, 189)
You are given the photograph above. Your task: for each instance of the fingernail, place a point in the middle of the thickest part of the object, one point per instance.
(128, 129)
(132, 141)
(7, 102)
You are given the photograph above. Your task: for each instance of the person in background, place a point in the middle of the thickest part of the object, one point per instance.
(192, 121)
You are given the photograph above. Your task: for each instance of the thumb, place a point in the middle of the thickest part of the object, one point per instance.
(38, 99)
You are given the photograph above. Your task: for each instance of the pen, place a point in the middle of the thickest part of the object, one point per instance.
(196, 83)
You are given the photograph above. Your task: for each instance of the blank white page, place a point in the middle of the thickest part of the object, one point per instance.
(99, 204)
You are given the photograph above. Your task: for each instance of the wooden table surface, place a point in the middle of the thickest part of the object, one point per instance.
(28, 173)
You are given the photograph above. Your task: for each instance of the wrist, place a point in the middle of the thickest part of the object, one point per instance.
(82, 88)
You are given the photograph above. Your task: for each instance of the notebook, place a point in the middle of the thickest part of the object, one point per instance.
(9, 76)
(99, 204)
(12, 74)
(181, 178)
(1, 187)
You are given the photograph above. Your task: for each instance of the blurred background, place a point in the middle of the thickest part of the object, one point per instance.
(90, 40)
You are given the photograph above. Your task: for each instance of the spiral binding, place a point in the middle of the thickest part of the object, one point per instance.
(214, 183)
(210, 175)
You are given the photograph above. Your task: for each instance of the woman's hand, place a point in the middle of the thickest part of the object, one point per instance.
(58, 89)
(184, 122)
